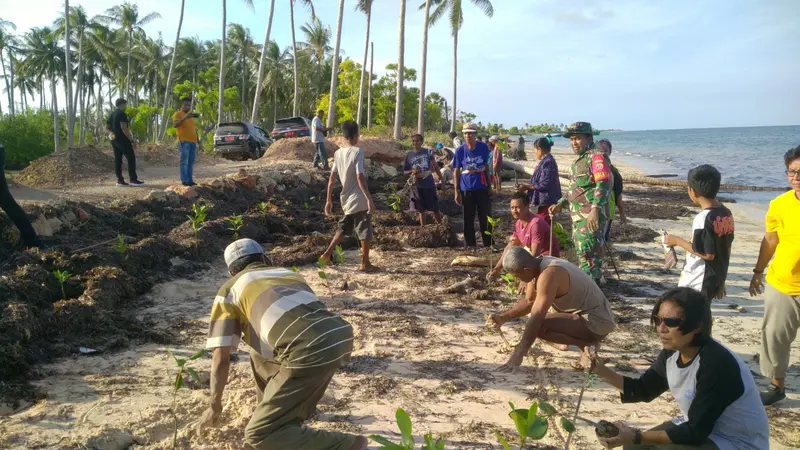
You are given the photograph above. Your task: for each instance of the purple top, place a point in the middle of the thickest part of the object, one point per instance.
(546, 185)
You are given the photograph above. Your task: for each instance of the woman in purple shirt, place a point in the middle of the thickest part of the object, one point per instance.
(545, 188)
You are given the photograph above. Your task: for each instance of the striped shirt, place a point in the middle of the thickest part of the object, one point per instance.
(278, 316)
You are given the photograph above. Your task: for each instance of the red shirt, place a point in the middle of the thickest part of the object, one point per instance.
(536, 230)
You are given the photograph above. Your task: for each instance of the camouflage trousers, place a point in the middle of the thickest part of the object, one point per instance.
(589, 245)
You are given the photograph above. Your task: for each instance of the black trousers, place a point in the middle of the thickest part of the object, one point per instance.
(13, 210)
(124, 149)
(476, 201)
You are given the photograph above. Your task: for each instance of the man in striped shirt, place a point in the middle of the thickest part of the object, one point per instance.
(296, 346)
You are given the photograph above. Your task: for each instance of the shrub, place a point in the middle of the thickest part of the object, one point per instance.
(28, 136)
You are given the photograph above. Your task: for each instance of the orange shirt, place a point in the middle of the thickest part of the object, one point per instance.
(186, 130)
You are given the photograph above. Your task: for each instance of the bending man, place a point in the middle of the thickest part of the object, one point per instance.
(583, 315)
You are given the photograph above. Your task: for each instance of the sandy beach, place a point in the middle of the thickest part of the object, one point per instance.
(417, 347)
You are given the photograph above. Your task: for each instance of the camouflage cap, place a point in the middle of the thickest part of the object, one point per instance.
(578, 128)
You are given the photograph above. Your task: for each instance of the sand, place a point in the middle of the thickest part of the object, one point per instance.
(416, 348)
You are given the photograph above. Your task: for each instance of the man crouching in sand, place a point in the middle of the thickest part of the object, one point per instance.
(296, 345)
(583, 315)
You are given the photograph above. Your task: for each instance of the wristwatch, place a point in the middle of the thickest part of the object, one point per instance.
(637, 437)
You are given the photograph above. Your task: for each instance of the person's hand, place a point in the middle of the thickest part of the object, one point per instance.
(133, 145)
(625, 437)
(513, 363)
(756, 284)
(588, 359)
(370, 207)
(493, 322)
(721, 293)
(415, 170)
(593, 220)
(458, 197)
(210, 416)
(522, 188)
(522, 288)
(555, 209)
(328, 208)
(670, 240)
(492, 273)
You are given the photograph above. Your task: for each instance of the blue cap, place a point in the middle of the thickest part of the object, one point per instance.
(439, 145)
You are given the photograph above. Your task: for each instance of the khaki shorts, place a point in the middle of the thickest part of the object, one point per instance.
(360, 222)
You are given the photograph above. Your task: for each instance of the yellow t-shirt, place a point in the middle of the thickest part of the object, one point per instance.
(783, 217)
(186, 130)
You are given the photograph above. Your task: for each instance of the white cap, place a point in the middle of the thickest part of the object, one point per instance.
(469, 127)
(242, 248)
(493, 138)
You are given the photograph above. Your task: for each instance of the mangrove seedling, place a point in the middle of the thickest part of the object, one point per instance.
(62, 276)
(182, 371)
(324, 276)
(511, 282)
(395, 200)
(407, 438)
(120, 245)
(263, 208)
(532, 423)
(492, 232)
(338, 255)
(564, 239)
(198, 219)
(236, 223)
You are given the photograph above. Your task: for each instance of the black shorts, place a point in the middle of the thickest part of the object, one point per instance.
(424, 199)
(360, 222)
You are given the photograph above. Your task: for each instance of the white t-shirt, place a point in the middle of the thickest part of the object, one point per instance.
(457, 142)
(316, 135)
(348, 162)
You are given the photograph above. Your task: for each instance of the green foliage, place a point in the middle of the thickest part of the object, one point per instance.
(62, 276)
(492, 232)
(198, 219)
(182, 371)
(263, 208)
(338, 255)
(236, 223)
(27, 137)
(407, 437)
(511, 282)
(139, 117)
(394, 198)
(564, 239)
(532, 423)
(120, 245)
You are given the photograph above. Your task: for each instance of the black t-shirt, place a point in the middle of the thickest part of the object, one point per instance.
(712, 233)
(617, 188)
(115, 120)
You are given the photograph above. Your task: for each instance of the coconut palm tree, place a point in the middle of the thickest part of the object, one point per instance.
(335, 67)
(7, 43)
(45, 58)
(126, 16)
(425, 26)
(221, 99)
(316, 45)
(242, 44)
(310, 5)
(276, 64)
(163, 130)
(456, 19)
(261, 64)
(398, 111)
(24, 82)
(364, 6)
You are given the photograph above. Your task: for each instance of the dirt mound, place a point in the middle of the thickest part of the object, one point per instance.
(625, 232)
(296, 149)
(68, 166)
(164, 155)
(387, 151)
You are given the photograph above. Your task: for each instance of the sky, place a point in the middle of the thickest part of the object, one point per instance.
(626, 64)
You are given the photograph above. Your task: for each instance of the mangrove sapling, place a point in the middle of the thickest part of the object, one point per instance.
(338, 255)
(532, 423)
(511, 282)
(120, 245)
(407, 438)
(198, 219)
(492, 232)
(324, 276)
(183, 370)
(62, 276)
(395, 200)
(236, 223)
(263, 208)
(588, 382)
(564, 239)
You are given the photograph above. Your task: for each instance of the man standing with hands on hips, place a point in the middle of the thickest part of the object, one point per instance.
(471, 181)
(188, 140)
(123, 143)
(318, 133)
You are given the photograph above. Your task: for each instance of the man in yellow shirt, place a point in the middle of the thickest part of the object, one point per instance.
(782, 292)
(183, 121)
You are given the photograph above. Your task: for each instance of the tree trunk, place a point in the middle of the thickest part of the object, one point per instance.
(8, 88)
(398, 110)
(41, 93)
(242, 101)
(55, 112)
(335, 68)
(364, 69)
(261, 65)
(11, 105)
(79, 88)
(99, 112)
(294, 55)
(82, 123)
(163, 129)
(421, 113)
(128, 73)
(369, 91)
(221, 105)
(455, 79)
(275, 107)
(68, 77)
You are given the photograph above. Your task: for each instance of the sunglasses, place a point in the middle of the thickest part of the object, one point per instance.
(670, 322)
(792, 173)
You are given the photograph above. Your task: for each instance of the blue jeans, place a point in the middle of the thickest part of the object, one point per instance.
(188, 155)
(321, 155)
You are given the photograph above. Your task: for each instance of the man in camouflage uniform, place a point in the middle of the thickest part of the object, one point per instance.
(588, 198)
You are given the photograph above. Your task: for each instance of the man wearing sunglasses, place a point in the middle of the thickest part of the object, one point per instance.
(782, 291)
(582, 313)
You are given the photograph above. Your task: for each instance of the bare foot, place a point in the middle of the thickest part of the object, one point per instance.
(360, 443)
(368, 268)
(562, 347)
(326, 258)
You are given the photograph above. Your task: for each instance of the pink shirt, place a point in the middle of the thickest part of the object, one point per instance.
(536, 230)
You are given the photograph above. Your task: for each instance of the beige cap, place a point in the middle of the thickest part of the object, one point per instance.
(469, 127)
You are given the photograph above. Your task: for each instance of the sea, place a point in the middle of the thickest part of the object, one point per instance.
(750, 156)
